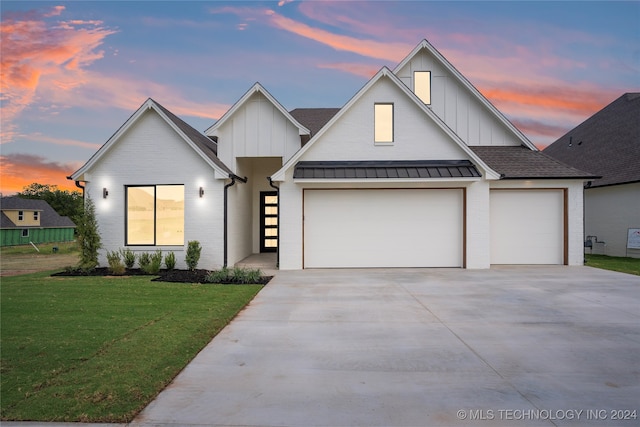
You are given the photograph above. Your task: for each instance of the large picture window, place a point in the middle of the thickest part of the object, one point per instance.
(155, 215)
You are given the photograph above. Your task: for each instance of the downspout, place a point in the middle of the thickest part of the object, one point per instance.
(272, 185)
(80, 186)
(234, 178)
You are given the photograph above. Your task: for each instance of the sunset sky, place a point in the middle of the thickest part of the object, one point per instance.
(73, 72)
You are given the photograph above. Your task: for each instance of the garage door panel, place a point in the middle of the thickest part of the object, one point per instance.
(383, 228)
(527, 227)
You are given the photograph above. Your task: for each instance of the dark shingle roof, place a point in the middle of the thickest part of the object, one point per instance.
(372, 169)
(314, 118)
(49, 218)
(606, 144)
(522, 163)
(205, 144)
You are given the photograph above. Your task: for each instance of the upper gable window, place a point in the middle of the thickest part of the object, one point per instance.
(36, 215)
(422, 85)
(20, 215)
(383, 122)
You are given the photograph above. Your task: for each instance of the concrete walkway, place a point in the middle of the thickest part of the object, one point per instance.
(513, 346)
(510, 346)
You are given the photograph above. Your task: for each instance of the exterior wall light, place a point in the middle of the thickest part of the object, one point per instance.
(105, 193)
(201, 192)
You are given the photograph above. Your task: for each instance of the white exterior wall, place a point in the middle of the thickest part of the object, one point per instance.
(257, 129)
(458, 108)
(609, 213)
(415, 135)
(290, 238)
(575, 232)
(151, 153)
(478, 231)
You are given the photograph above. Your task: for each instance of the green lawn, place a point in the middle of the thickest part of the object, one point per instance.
(622, 264)
(100, 349)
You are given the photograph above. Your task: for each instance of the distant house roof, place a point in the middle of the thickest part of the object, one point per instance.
(606, 144)
(522, 163)
(403, 169)
(49, 218)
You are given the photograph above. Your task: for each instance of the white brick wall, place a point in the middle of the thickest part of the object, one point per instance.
(150, 152)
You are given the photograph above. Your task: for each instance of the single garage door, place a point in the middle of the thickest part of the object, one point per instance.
(383, 228)
(527, 227)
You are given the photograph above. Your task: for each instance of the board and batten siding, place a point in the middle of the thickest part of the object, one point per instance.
(257, 129)
(152, 153)
(456, 106)
(13, 237)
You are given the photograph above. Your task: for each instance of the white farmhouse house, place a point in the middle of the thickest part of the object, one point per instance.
(418, 169)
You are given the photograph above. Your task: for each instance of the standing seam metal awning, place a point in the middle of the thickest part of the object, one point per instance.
(391, 169)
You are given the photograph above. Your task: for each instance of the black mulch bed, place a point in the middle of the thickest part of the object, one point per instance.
(175, 276)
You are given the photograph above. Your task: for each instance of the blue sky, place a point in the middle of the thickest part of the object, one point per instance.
(73, 72)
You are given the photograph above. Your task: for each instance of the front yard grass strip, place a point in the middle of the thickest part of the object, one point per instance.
(614, 263)
(99, 349)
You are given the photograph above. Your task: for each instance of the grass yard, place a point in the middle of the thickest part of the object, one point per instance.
(621, 264)
(99, 349)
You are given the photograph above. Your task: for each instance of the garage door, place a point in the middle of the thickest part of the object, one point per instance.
(383, 228)
(527, 227)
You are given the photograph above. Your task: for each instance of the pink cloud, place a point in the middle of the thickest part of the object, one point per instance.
(35, 52)
(362, 70)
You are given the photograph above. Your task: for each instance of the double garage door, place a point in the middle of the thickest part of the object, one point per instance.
(383, 228)
(425, 227)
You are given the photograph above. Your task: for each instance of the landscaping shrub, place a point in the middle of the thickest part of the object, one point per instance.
(129, 257)
(116, 266)
(88, 236)
(144, 259)
(170, 261)
(241, 276)
(193, 254)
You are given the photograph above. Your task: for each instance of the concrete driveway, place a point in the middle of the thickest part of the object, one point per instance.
(516, 346)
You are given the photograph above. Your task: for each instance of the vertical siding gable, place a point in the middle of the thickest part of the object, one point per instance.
(257, 129)
(456, 106)
(416, 136)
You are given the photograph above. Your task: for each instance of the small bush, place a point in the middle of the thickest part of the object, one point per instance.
(144, 259)
(116, 266)
(129, 257)
(170, 261)
(193, 254)
(152, 266)
(218, 276)
(241, 276)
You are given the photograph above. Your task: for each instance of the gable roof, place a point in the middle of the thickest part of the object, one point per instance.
(518, 162)
(424, 44)
(256, 88)
(386, 73)
(49, 218)
(314, 119)
(606, 144)
(202, 145)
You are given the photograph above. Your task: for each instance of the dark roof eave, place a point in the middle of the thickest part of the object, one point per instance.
(595, 185)
(587, 177)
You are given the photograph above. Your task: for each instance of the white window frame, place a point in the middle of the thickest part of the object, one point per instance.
(36, 215)
(20, 215)
(25, 232)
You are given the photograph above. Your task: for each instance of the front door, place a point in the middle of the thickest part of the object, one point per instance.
(268, 221)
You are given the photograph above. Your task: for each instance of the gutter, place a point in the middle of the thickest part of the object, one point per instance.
(80, 186)
(233, 178)
(272, 185)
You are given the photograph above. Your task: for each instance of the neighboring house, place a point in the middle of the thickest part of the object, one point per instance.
(25, 221)
(608, 145)
(418, 169)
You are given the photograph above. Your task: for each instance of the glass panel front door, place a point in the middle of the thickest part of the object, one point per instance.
(268, 221)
